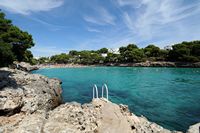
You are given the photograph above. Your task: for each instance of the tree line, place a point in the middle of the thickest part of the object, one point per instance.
(182, 52)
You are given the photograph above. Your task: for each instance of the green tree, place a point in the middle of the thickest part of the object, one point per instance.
(6, 54)
(113, 58)
(135, 55)
(62, 58)
(196, 48)
(185, 51)
(19, 41)
(131, 53)
(73, 52)
(28, 56)
(43, 60)
(152, 51)
(132, 47)
(122, 49)
(103, 50)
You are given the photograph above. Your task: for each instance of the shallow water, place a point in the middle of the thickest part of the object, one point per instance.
(167, 96)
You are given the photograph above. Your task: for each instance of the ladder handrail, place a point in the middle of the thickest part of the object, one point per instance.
(106, 87)
(96, 90)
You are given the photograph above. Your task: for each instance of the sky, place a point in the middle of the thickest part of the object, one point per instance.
(58, 26)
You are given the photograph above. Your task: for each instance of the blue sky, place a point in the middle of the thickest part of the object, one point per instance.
(61, 25)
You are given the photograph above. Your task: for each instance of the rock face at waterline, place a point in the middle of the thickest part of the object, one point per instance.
(27, 93)
(32, 103)
(24, 66)
(158, 64)
(194, 128)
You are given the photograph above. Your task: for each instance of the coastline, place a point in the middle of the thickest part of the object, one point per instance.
(140, 64)
(33, 103)
(62, 66)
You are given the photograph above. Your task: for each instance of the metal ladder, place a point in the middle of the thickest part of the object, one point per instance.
(95, 89)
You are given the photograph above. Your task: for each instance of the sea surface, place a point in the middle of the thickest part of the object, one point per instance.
(168, 96)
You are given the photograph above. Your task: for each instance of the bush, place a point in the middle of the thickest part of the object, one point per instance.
(190, 59)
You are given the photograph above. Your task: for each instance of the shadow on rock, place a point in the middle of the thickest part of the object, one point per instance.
(6, 80)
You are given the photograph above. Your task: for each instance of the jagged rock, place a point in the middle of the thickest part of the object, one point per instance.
(118, 119)
(8, 123)
(71, 118)
(31, 123)
(194, 128)
(10, 101)
(97, 117)
(26, 92)
(24, 66)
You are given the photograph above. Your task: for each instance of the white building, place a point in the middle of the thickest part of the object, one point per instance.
(114, 50)
(169, 47)
(104, 55)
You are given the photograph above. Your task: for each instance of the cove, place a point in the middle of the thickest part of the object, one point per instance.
(167, 96)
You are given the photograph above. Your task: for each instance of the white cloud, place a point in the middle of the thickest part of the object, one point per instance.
(101, 17)
(152, 16)
(26, 7)
(112, 38)
(134, 3)
(93, 30)
(54, 27)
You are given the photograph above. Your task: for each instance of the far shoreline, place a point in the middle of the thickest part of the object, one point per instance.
(141, 64)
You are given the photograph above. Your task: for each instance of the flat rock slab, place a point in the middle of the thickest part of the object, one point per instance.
(112, 120)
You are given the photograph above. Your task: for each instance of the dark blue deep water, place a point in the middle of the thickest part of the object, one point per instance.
(167, 96)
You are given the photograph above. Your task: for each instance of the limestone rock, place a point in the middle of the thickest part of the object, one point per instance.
(26, 92)
(118, 119)
(194, 128)
(10, 101)
(24, 66)
(71, 117)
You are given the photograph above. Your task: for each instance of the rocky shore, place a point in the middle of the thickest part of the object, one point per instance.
(24, 66)
(140, 64)
(31, 103)
(61, 65)
(158, 64)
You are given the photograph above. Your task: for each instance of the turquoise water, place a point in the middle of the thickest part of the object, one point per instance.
(167, 96)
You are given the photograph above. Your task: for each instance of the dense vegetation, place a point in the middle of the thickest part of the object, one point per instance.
(186, 51)
(183, 52)
(14, 43)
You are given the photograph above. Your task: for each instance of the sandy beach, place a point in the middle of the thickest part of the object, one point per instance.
(61, 66)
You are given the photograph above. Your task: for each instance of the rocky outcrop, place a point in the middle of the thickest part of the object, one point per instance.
(24, 66)
(194, 128)
(24, 92)
(96, 117)
(31, 103)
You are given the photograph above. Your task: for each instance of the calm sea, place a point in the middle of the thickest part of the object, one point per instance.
(167, 96)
